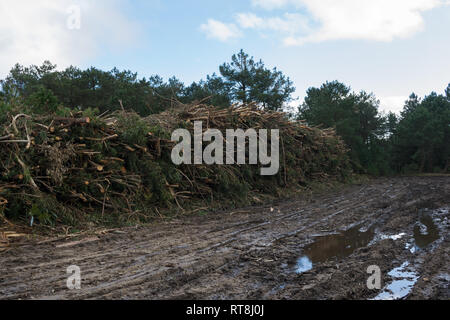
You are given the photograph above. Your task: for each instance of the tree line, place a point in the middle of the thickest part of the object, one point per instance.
(417, 140)
(241, 80)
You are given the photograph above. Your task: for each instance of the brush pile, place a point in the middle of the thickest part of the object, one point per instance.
(117, 167)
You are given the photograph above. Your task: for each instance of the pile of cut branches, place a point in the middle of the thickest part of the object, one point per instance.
(117, 167)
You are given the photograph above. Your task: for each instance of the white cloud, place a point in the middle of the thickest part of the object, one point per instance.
(271, 4)
(32, 31)
(289, 23)
(249, 20)
(394, 103)
(220, 31)
(380, 20)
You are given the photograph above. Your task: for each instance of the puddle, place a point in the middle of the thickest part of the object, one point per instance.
(394, 237)
(425, 232)
(404, 280)
(335, 245)
(381, 237)
(341, 245)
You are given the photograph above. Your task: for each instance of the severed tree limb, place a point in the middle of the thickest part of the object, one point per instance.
(25, 170)
(15, 141)
(114, 136)
(13, 123)
(9, 136)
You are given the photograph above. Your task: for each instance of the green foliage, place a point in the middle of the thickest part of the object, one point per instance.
(250, 81)
(5, 109)
(41, 213)
(62, 111)
(91, 112)
(134, 129)
(228, 183)
(215, 90)
(43, 101)
(355, 117)
(154, 178)
(421, 139)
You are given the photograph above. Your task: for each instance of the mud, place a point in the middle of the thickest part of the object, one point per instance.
(425, 232)
(400, 225)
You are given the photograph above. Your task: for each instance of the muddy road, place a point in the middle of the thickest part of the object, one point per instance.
(317, 248)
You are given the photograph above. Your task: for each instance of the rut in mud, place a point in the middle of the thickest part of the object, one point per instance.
(318, 248)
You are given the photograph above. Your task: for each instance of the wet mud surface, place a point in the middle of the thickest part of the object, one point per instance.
(316, 248)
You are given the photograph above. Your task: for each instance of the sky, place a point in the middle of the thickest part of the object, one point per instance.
(388, 47)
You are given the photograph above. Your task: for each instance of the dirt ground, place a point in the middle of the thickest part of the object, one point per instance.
(254, 253)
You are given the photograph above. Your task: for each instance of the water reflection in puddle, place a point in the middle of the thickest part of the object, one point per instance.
(426, 232)
(336, 245)
(404, 280)
(304, 264)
